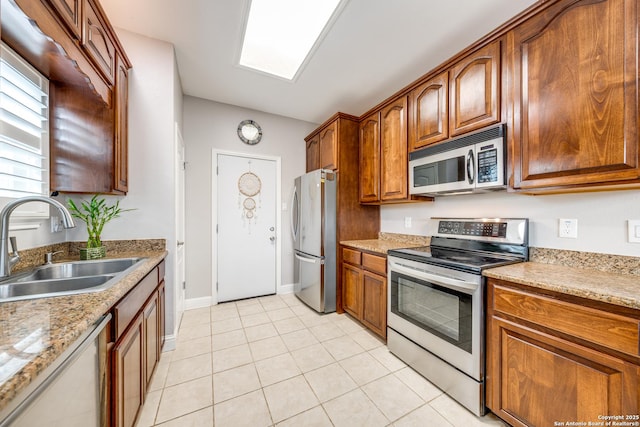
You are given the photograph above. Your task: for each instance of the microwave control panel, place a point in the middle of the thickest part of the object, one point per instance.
(488, 164)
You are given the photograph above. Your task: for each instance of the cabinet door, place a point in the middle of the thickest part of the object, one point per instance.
(329, 147)
(577, 101)
(121, 140)
(374, 301)
(537, 378)
(394, 152)
(150, 316)
(352, 290)
(70, 12)
(370, 159)
(429, 112)
(97, 41)
(475, 90)
(128, 370)
(313, 153)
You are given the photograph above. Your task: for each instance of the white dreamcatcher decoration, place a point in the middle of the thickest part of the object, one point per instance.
(249, 186)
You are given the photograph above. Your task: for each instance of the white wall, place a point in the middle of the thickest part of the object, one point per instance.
(155, 104)
(210, 125)
(601, 216)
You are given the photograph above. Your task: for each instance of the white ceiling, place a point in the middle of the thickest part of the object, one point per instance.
(374, 48)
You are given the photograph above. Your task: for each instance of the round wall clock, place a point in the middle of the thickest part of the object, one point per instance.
(249, 132)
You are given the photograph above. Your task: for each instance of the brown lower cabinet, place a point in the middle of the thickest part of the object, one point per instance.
(555, 358)
(364, 289)
(139, 336)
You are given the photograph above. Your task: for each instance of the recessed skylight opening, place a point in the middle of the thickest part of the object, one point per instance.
(280, 34)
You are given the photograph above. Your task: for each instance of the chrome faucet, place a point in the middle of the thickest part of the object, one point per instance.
(8, 260)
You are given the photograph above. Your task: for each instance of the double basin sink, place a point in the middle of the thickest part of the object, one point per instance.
(67, 278)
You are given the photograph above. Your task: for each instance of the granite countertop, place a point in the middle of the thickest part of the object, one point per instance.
(388, 241)
(604, 286)
(34, 333)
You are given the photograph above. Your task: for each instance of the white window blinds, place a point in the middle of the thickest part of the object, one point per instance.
(24, 132)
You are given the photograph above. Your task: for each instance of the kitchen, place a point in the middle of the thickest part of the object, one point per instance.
(156, 104)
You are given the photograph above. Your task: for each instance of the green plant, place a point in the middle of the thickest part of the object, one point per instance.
(95, 213)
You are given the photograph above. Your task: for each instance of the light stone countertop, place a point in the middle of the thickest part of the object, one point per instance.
(388, 241)
(34, 333)
(603, 286)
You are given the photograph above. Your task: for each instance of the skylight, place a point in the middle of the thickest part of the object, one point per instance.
(280, 34)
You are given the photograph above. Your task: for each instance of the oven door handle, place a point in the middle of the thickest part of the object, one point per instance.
(447, 282)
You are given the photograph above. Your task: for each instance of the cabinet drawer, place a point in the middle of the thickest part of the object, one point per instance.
(351, 256)
(609, 330)
(127, 309)
(374, 263)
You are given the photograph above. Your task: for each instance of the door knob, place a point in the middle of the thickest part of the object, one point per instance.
(180, 243)
(272, 238)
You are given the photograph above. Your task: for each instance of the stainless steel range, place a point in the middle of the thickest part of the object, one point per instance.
(436, 304)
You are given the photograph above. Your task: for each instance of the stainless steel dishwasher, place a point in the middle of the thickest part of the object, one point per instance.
(72, 392)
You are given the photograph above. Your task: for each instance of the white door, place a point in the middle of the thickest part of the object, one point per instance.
(246, 194)
(180, 276)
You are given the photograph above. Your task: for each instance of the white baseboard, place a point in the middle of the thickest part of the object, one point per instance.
(285, 289)
(190, 304)
(169, 343)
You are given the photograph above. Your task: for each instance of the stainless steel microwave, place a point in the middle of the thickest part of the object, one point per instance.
(469, 164)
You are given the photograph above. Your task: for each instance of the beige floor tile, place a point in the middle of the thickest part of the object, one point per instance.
(280, 314)
(367, 339)
(266, 348)
(290, 299)
(314, 417)
(459, 416)
(246, 302)
(312, 357)
(192, 348)
(285, 326)
(302, 310)
(418, 384)
(246, 310)
(260, 332)
(326, 331)
(223, 306)
(363, 368)
(289, 398)
(226, 325)
(392, 397)
(228, 339)
(275, 369)
(254, 319)
(231, 358)
(196, 317)
(354, 409)
(160, 374)
(201, 418)
(421, 417)
(342, 347)
(235, 382)
(330, 382)
(247, 410)
(299, 339)
(272, 303)
(185, 398)
(149, 409)
(189, 333)
(384, 356)
(312, 319)
(184, 370)
(348, 325)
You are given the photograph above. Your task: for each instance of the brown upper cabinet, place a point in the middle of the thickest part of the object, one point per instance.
(88, 89)
(384, 154)
(323, 145)
(474, 90)
(574, 71)
(464, 98)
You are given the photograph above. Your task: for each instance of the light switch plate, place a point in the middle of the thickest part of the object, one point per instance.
(633, 226)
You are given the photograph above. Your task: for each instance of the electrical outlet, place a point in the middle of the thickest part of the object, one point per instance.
(568, 228)
(407, 222)
(634, 230)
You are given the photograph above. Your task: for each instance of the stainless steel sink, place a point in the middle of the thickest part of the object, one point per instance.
(66, 278)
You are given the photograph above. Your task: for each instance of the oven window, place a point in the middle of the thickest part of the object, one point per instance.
(443, 312)
(442, 172)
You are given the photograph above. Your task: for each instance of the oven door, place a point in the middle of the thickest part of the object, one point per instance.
(439, 309)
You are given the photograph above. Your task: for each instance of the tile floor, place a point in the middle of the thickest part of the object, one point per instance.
(272, 361)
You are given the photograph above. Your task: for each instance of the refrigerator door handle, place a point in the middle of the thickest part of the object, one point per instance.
(309, 260)
(294, 211)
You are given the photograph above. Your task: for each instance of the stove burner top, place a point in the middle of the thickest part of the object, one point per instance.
(463, 260)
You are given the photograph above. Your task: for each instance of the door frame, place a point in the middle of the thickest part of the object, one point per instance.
(180, 228)
(214, 215)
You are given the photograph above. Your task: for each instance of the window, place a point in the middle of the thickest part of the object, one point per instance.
(24, 133)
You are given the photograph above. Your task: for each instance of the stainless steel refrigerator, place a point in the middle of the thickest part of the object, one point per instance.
(313, 226)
